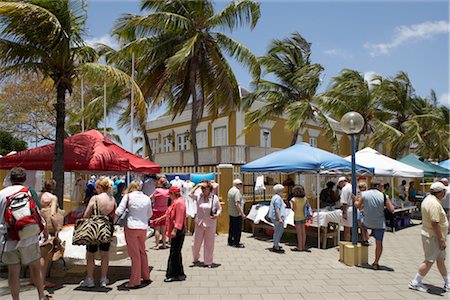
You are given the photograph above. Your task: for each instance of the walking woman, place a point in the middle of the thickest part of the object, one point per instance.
(175, 230)
(139, 208)
(160, 199)
(277, 214)
(106, 205)
(298, 203)
(208, 209)
(49, 209)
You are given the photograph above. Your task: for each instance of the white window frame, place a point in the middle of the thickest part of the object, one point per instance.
(313, 141)
(221, 140)
(262, 138)
(202, 138)
(182, 141)
(167, 144)
(154, 145)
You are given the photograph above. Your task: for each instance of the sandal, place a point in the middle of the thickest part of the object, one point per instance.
(296, 249)
(375, 266)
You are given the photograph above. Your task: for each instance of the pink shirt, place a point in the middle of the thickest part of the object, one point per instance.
(160, 198)
(175, 216)
(203, 217)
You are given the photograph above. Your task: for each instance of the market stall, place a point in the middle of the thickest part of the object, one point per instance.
(303, 158)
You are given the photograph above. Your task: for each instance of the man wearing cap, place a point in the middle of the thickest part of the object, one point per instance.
(346, 202)
(236, 211)
(434, 234)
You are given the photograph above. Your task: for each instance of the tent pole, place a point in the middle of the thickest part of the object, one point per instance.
(82, 105)
(318, 207)
(423, 186)
(392, 188)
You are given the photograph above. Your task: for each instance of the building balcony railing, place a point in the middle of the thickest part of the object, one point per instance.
(233, 154)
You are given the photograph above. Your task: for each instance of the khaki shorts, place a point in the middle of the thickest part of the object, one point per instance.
(349, 221)
(431, 248)
(22, 255)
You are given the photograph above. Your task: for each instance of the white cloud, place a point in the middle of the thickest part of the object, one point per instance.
(339, 53)
(444, 99)
(403, 34)
(104, 39)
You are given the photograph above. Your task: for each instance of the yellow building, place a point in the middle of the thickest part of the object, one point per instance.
(222, 141)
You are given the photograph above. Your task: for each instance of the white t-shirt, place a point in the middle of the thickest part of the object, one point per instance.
(346, 194)
(12, 245)
(139, 209)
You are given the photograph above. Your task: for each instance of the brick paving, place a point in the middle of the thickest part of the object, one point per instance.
(255, 273)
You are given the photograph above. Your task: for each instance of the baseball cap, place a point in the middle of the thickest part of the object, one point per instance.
(237, 181)
(174, 189)
(342, 178)
(437, 187)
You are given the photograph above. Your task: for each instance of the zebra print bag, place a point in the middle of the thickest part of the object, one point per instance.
(96, 230)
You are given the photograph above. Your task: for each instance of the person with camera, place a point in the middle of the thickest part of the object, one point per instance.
(208, 209)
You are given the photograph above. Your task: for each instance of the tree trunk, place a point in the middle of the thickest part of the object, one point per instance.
(58, 160)
(197, 110)
(294, 137)
(147, 144)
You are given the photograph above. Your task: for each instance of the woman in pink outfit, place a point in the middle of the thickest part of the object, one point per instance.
(139, 208)
(160, 199)
(208, 209)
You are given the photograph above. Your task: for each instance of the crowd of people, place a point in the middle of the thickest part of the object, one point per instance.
(166, 206)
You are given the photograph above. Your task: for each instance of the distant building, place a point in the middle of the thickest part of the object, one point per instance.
(222, 140)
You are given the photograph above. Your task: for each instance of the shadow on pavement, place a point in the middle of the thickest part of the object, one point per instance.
(380, 268)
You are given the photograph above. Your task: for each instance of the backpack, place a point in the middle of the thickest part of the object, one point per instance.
(22, 216)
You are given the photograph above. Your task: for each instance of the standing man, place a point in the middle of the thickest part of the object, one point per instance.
(374, 202)
(347, 211)
(25, 251)
(236, 211)
(434, 234)
(402, 191)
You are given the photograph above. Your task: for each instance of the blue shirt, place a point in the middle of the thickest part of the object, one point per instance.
(373, 209)
(275, 203)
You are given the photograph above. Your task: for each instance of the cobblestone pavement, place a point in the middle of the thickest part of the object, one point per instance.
(255, 273)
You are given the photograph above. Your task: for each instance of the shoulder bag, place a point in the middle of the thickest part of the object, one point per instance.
(122, 220)
(96, 230)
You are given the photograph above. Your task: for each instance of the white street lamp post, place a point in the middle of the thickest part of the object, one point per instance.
(352, 123)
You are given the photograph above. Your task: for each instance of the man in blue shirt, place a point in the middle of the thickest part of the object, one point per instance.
(374, 202)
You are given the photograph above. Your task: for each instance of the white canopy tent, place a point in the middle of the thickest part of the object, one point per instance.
(384, 165)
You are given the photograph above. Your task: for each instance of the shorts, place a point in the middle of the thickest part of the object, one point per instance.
(431, 248)
(94, 248)
(349, 221)
(157, 214)
(22, 255)
(299, 222)
(378, 234)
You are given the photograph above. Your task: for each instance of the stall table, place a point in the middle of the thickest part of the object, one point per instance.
(328, 223)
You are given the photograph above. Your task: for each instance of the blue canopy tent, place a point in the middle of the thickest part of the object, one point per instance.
(445, 164)
(303, 158)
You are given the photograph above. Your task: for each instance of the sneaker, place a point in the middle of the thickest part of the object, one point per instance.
(447, 287)
(418, 287)
(104, 282)
(87, 282)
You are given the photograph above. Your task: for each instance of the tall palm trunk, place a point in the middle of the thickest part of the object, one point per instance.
(147, 146)
(197, 110)
(294, 137)
(58, 159)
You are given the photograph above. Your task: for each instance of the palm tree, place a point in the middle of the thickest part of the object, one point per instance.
(396, 97)
(182, 58)
(350, 91)
(293, 92)
(45, 37)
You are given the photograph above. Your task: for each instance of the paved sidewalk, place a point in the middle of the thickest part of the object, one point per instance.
(255, 273)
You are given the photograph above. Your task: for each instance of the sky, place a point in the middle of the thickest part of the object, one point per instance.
(372, 37)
